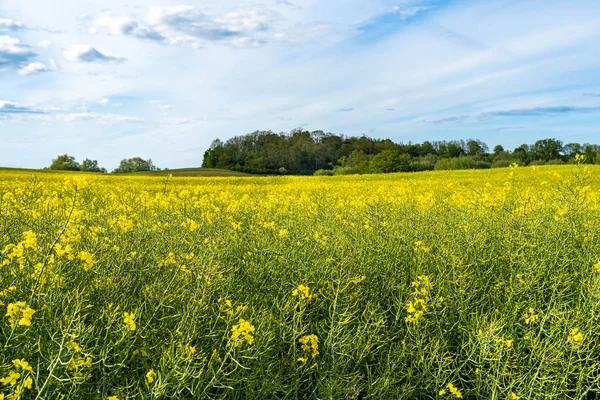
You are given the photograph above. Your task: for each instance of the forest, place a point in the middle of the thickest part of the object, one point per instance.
(301, 152)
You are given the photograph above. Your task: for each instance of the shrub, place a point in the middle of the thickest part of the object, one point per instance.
(324, 172)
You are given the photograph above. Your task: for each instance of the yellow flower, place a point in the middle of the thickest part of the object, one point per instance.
(190, 349)
(310, 344)
(27, 382)
(22, 364)
(575, 336)
(19, 311)
(150, 376)
(87, 259)
(302, 291)
(454, 390)
(531, 317)
(11, 379)
(597, 266)
(442, 392)
(242, 332)
(303, 360)
(358, 280)
(513, 396)
(129, 319)
(112, 398)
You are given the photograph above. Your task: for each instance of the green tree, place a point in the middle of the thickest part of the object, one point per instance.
(65, 162)
(389, 161)
(476, 147)
(135, 164)
(91, 166)
(547, 149)
(498, 149)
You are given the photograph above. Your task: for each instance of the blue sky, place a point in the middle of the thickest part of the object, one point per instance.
(107, 81)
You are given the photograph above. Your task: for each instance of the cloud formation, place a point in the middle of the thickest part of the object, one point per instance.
(518, 112)
(9, 107)
(87, 54)
(539, 111)
(13, 53)
(410, 12)
(250, 26)
(33, 68)
(10, 25)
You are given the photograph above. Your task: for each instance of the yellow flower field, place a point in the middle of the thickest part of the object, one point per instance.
(466, 284)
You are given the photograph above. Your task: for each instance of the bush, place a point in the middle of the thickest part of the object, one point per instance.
(465, 162)
(324, 172)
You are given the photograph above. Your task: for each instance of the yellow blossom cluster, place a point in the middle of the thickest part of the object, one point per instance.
(242, 332)
(19, 312)
(420, 297)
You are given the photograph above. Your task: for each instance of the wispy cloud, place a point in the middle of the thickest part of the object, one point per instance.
(517, 112)
(88, 54)
(592, 94)
(539, 111)
(9, 107)
(101, 118)
(411, 11)
(343, 110)
(457, 119)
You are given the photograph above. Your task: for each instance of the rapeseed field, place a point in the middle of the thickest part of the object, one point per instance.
(438, 285)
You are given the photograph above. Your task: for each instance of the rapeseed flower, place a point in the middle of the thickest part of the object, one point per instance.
(575, 336)
(19, 312)
(129, 320)
(150, 376)
(310, 345)
(242, 332)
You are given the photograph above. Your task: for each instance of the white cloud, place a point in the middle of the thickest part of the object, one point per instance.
(13, 53)
(45, 44)
(101, 118)
(88, 54)
(250, 26)
(10, 107)
(107, 23)
(10, 25)
(33, 68)
(409, 12)
(103, 101)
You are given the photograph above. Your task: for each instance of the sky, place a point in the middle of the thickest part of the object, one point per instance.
(109, 79)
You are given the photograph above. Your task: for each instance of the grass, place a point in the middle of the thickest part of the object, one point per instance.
(472, 284)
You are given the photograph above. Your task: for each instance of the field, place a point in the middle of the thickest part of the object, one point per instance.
(468, 284)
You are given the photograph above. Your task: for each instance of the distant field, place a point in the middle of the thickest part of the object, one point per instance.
(438, 285)
(191, 172)
(196, 172)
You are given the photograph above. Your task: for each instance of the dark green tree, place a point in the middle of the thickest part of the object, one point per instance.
(389, 161)
(65, 162)
(135, 164)
(547, 149)
(91, 166)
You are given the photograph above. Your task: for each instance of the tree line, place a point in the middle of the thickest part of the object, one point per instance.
(302, 152)
(65, 162)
